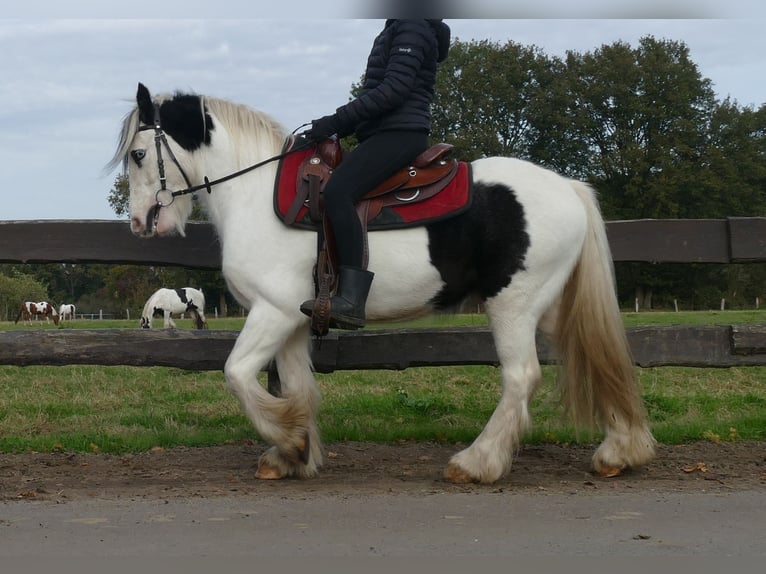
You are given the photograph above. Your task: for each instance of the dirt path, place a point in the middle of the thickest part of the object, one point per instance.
(367, 469)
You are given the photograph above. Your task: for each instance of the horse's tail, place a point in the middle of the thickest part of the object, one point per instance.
(599, 382)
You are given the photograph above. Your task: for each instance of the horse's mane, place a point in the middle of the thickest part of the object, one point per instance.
(239, 120)
(243, 122)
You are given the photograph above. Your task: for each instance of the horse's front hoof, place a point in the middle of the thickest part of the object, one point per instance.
(608, 471)
(268, 472)
(457, 475)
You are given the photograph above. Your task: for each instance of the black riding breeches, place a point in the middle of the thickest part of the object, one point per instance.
(367, 165)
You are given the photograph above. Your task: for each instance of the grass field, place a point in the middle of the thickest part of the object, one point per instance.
(124, 409)
(464, 320)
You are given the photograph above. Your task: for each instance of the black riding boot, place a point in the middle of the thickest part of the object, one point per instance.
(347, 305)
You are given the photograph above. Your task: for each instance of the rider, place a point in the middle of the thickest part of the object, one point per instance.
(391, 117)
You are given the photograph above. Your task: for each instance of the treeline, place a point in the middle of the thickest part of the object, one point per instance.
(640, 123)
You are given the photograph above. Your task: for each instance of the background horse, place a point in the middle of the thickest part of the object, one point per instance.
(31, 309)
(168, 302)
(532, 246)
(67, 311)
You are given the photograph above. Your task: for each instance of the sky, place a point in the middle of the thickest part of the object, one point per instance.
(70, 69)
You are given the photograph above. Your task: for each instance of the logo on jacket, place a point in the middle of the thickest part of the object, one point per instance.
(405, 50)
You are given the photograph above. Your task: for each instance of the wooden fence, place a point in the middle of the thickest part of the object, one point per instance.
(732, 240)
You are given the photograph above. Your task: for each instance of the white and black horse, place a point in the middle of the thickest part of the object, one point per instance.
(168, 302)
(532, 246)
(67, 311)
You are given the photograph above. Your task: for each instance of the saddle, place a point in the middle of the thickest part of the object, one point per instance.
(430, 173)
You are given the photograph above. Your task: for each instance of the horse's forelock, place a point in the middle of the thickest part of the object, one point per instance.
(128, 131)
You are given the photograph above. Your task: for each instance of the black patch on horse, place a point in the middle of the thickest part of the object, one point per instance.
(158, 312)
(183, 121)
(181, 118)
(182, 295)
(478, 252)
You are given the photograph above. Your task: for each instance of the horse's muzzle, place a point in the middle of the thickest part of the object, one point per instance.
(148, 226)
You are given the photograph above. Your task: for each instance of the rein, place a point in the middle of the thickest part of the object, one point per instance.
(161, 141)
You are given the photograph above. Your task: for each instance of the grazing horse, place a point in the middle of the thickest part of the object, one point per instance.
(31, 309)
(67, 311)
(532, 246)
(168, 302)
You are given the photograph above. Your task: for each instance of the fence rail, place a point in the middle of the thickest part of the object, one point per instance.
(701, 346)
(731, 240)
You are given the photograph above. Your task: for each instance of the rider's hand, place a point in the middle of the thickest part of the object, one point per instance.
(323, 128)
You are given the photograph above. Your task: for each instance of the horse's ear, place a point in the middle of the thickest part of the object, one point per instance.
(145, 105)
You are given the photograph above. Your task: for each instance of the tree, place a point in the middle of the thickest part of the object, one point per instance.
(119, 195)
(733, 163)
(642, 113)
(488, 98)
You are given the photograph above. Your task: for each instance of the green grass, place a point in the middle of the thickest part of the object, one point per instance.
(125, 409)
(128, 409)
(630, 319)
(695, 318)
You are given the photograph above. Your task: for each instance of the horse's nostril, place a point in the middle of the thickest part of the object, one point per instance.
(136, 225)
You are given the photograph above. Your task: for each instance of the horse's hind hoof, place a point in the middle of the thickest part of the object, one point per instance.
(457, 475)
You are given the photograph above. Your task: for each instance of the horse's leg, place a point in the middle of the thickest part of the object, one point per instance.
(298, 382)
(490, 455)
(287, 422)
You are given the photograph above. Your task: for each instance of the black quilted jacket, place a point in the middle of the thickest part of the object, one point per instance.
(398, 85)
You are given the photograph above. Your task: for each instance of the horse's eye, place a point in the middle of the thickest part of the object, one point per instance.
(138, 155)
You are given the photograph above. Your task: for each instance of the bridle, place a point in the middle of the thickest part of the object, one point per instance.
(165, 198)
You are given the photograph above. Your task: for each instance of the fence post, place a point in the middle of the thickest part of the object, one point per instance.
(723, 304)
(757, 303)
(675, 304)
(636, 304)
(101, 314)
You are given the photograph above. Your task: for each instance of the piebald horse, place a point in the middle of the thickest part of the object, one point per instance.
(168, 302)
(532, 246)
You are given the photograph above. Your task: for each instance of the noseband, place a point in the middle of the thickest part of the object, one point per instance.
(164, 197)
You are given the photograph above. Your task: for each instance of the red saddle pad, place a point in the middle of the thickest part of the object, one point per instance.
(452, 200)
